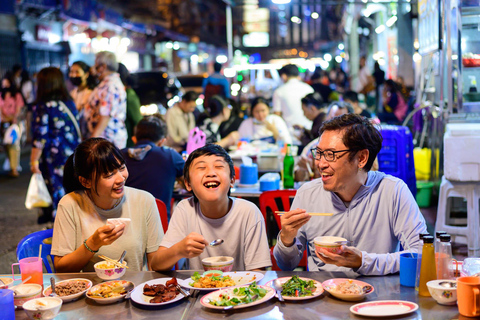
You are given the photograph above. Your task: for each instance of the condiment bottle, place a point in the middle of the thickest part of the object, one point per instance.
(427, 270)
(437, 239)
(444, 258)
(419, 258)
(288, 166)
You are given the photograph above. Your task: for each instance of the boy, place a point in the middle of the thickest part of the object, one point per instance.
(212, 214)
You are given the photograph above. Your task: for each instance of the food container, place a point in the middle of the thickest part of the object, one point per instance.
(221, 263)
(7, 281)
(110, 273)
(73, 296)
(26, 292)
(331, 244)
(42, 308)
(446, 295)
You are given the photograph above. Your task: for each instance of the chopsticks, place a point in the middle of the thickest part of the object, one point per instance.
(280, 213)
(115, 262)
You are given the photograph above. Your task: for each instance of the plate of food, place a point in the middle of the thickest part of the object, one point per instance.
(69, 290)
(238, 297)
(110, 291)
(384, 308)
(214, 281)
(298, 288)
(348, 289)
(157, 292)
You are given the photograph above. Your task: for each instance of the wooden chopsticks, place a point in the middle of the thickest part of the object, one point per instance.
(115, 262)
(280, 213)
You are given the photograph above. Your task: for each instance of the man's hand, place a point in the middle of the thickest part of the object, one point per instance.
(291, 222)
(350, 258)
(192, 246)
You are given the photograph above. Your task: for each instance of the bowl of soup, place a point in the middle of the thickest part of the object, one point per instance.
(222, 263)
(330, 244)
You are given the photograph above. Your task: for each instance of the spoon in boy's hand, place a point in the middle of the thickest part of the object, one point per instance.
(216, 242)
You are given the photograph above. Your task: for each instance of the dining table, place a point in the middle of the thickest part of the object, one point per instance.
(325, 306)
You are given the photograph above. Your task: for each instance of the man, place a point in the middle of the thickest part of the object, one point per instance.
(320, 83)
(180, 120)
(215, 84)
(365, 82)
(372, 210)
(106, 110)
(351, 97)
(287, 98)
(151, 166)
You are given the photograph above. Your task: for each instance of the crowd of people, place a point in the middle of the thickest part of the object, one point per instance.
(101, 159)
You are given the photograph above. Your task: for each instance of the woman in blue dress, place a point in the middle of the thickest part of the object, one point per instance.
(55, 134)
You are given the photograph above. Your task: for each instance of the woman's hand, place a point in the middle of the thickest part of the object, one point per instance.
(271, 127)
(34, 167)
(106, 235)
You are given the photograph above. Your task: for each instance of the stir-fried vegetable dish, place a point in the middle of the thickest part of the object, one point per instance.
(238, 296)
(296, 287)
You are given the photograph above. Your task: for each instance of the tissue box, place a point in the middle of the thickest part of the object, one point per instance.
(461, 152)
(248, 174)
(270, 181)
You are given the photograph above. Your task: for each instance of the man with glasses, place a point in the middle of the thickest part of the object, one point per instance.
(372, 210)
(107, 107)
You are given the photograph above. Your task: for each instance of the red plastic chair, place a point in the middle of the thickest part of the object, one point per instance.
(269, 202)
(162, 209)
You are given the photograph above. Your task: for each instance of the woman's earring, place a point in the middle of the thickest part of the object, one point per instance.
(360, 169)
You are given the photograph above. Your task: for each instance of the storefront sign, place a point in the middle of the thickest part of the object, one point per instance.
(42, 33)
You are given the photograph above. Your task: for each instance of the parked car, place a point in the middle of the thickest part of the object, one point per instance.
(157, 91)
(192, 82)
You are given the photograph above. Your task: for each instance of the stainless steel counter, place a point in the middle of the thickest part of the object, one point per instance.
(323, 307)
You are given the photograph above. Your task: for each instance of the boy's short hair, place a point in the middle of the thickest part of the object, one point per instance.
(150, 128)
(190, 96)
(209, 149)
(351, 96)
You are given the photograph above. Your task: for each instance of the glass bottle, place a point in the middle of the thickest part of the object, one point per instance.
(437, 238)
(444, 258)
(288, 166)
(419, 258)
(427, 270)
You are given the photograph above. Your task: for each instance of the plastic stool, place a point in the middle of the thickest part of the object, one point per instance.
(471, 192)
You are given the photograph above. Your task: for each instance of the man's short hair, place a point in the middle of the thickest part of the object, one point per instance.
(290, 70)
(108, 58)
(351, 96)
(340, 105)
(358, 134)
(314, 99)
(209, 149)
(217, 67)
(150, 128)
(190, 96)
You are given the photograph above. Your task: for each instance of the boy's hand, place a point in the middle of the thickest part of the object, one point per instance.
(192, 245)
(291, 222)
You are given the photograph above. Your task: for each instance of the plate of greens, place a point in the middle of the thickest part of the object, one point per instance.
(237, 298)
(220, 281)
(298, 288)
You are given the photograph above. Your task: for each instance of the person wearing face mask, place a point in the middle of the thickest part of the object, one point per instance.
(80, 77)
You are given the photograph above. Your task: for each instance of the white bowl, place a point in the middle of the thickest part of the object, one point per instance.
(42, 308)
(88, 285)
(128, 285)
(222, 263)
(443, 295)
(329, 243)
(25, 292)
(110, 273)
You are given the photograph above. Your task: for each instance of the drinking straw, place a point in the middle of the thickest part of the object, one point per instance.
(406, 244)
(40, 252)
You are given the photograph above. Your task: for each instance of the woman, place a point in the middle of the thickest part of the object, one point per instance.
(55, 134)
(11, 104)
(394, 106)
(80, 77)
(82, 232)
(217, 111)
(264, 126)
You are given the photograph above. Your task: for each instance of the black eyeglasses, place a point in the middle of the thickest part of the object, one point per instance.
(329, 155)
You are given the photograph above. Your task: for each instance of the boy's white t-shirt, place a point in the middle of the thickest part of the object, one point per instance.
(242, 229)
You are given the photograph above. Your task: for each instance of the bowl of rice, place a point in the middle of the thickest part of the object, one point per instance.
(69, 290)
(108, 271)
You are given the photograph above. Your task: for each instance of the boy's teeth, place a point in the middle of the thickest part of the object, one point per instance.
(211, 184)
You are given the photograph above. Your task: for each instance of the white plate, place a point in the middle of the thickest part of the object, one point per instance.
(216, 294)
(71, 297)
(316, 293)
(241, 278)
(384, 308)
(329, 286)
(99, 300)
(140, 298)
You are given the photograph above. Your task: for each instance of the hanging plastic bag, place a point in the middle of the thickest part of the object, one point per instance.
(37, 194)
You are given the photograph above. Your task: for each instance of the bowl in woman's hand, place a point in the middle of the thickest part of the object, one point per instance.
(108, 271)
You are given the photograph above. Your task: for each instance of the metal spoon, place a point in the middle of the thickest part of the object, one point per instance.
(123, 256)
(216, 242)
(278, 288)
(367, 289)
(52, 284)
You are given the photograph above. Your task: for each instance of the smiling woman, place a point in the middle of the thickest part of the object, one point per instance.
(96, 174)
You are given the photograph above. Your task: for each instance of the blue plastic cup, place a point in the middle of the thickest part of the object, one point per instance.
(6, 305)
(408, 269)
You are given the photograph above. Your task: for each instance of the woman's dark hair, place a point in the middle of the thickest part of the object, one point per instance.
(92, 158)
(91, 81)
(315, 99)
(390, 84)
(215, 106)
(12, 89)
(358, 134)
(256, 102)
(150, 128)
(51, 86)
(209, 149)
